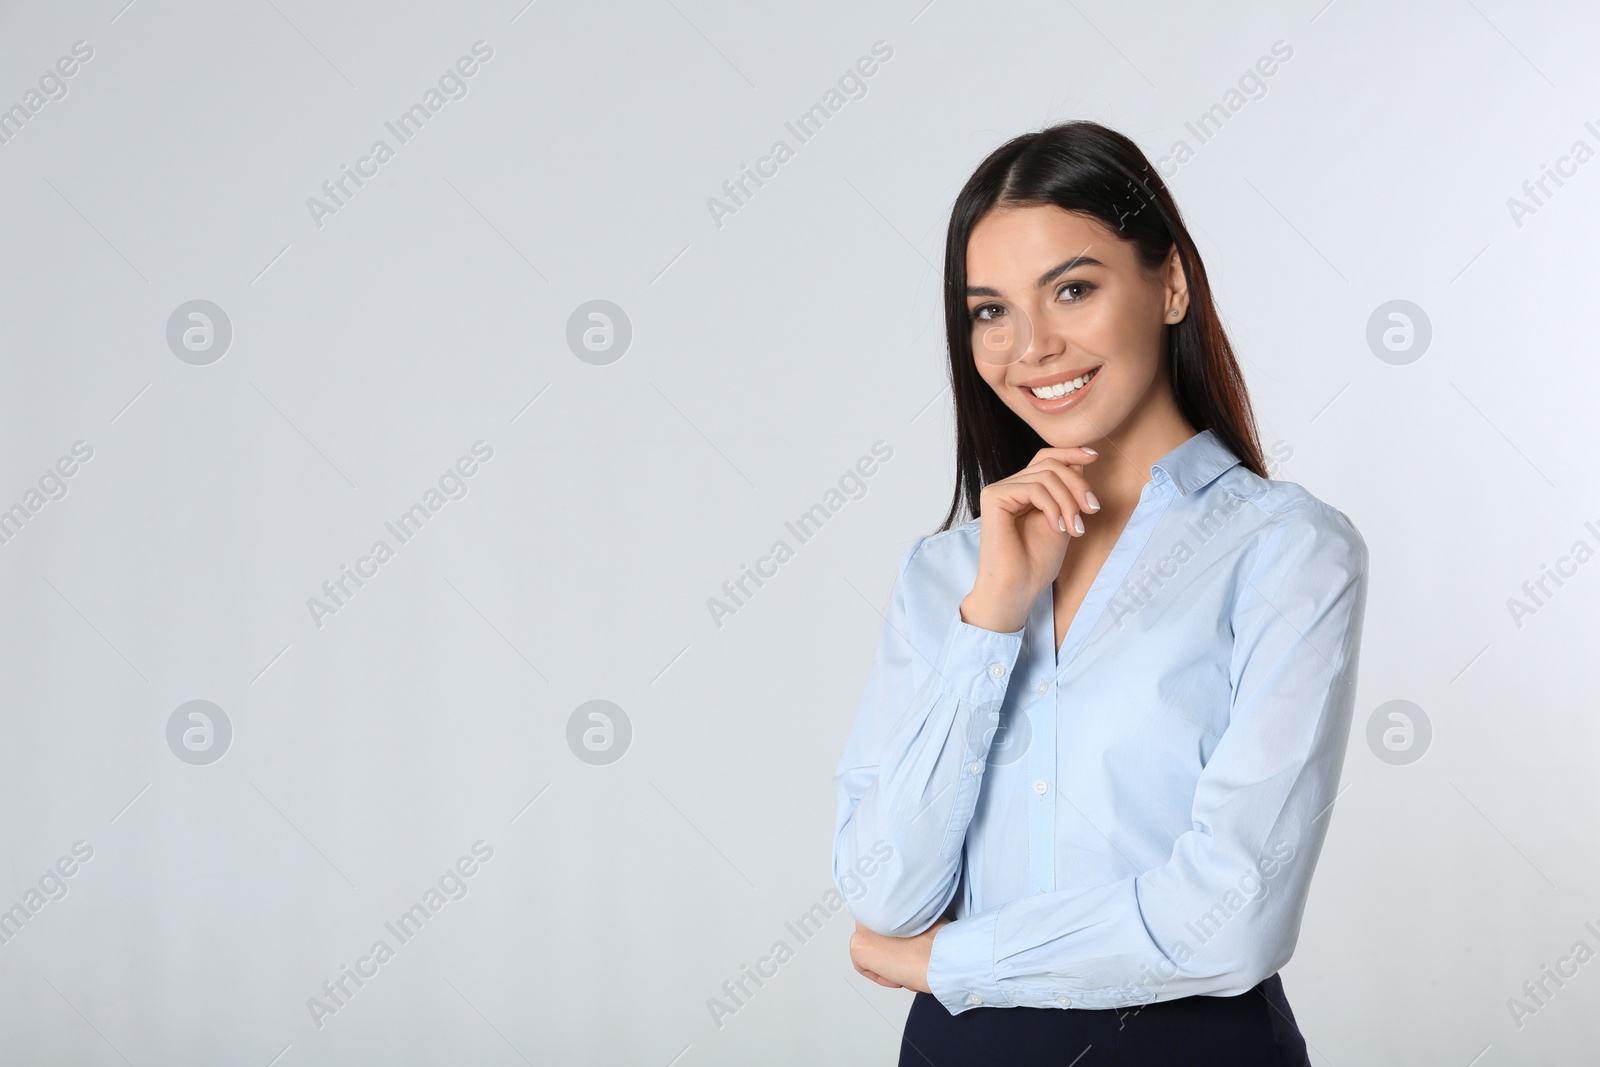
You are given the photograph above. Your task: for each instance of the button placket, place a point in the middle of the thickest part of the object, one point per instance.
(1039, 767)
(1154, 497)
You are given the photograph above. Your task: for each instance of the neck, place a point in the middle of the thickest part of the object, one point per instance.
(1148, 433)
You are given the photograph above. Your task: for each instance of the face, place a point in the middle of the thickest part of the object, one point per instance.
(1069, 294)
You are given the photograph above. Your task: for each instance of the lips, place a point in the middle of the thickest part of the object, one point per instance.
(1056, 379)
(1057, 404)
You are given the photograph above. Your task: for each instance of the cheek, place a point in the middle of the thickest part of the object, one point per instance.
(1127, 336)
(994, 377)
(1107, 330)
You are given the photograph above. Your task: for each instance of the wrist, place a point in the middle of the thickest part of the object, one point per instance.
(982, 611)
(961, 964)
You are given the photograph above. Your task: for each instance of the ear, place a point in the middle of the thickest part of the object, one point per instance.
(1177, 287)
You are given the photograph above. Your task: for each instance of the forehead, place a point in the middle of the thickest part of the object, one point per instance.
(1014, 244)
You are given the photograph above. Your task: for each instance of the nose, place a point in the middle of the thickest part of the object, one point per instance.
(1045, 338)
(1020, 335)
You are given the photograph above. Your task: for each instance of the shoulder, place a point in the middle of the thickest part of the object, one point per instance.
(1297, 523)
(942, 560)
(945, 548)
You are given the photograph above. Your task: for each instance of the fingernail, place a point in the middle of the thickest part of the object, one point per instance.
(1094, 505)
(1091, 451)
(1062, 523)
(1077, 523)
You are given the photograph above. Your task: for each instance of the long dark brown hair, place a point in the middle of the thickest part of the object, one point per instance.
(1085, 168)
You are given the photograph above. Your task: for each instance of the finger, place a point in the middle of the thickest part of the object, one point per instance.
(1074, 480)
(1075, 454)
(874, 975)
(1069, 489)
(1047, 492)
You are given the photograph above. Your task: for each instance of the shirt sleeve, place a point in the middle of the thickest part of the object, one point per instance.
(1223, 913)
(907, 784)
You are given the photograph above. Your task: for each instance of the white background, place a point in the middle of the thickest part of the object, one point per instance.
(768, 354)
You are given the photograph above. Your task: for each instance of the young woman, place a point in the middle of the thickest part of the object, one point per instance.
(1091, 773)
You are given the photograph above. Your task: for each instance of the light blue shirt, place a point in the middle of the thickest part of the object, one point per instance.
(1134, 818)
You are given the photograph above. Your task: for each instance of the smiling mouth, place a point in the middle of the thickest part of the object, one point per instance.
(1065, 388)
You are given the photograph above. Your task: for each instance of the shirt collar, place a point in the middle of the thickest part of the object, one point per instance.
(1195, 463)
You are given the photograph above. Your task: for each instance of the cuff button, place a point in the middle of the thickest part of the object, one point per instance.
(973, 998)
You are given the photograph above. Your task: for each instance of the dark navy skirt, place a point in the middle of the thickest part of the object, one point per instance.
(1254, 1029)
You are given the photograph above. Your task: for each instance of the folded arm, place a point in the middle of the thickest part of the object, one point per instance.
(908, 782)
(1223, 913)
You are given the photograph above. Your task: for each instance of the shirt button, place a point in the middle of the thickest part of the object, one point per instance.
(1044, 687)
(973, 998)
(1041, 787)
(974, 767)
(1066, 1002)
(997, 670)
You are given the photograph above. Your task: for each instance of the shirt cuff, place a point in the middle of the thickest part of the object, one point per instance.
(961, 964)
(975, 664)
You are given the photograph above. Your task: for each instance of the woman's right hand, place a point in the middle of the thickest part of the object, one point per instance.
(1028, 520)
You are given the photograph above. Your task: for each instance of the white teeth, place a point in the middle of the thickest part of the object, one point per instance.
(1072, 385)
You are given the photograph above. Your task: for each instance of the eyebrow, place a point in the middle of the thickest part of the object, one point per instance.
(1044, 279)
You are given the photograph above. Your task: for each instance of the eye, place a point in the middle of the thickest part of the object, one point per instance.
(986, 312)
(1087, 287)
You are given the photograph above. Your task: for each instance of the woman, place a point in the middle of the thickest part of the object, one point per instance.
(1092, 771)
